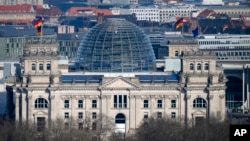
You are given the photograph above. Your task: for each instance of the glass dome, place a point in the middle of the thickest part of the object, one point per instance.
(115, 46)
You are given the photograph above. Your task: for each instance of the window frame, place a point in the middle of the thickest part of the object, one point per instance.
(145, 115)
(145, 104)
(66, 103)
(159, 115)
(173, 115)
(191, 66)
(94, 103)
(40, 66)
(80, 104)
(33, 66)
(206, 66)
(199, 66)
(48, 66)
(66, 115)
(41, 103)
(159, 103)
(94, 115)
(80, 115)
(173, 103)
(199, 103)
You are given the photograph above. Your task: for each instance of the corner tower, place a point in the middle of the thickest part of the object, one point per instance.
(40, 62)
(31, 89)
(203, 86)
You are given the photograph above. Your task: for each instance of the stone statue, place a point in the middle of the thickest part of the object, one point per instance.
(187, 79)
(221, 77)
(28, 79)
(51, 79)
(210, 79)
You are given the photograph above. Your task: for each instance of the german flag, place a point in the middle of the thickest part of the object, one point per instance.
(38, 23)
(39, 31)
(179, 23)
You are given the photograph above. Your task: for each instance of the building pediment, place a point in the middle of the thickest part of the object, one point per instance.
(40, 112)
(119, 82)
(199, 112)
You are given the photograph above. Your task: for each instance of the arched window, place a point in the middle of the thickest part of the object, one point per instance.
(191, 66)
(199, 66)
(41, 103)
(40, 66)
(206, 66)
(199, 103)
(176, 53)
(33, 66)
(48, 67)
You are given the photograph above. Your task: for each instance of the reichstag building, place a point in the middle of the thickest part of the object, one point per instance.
(114, 78)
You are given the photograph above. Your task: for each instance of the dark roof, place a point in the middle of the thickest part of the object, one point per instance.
(158, 78)
(17, 31)
(78, 21)
(71, 36)
(80, 78)
(53, 11)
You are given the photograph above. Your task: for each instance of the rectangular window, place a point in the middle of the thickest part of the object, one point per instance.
(66, 103)
(80, 126)
(94, 103)
(66, 115)
(173, 115)
(80, 103)
(115, 101)
(145, 103)
(145, 115)
(94, 115)
(93, 126)
(120, 101)
(159, 103)
(124, 101)
(80, 115)
(173, 103)
(159, 114)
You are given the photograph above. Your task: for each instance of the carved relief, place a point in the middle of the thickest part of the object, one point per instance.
(221, 77)
(222, 96)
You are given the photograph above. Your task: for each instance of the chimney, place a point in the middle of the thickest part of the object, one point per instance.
(100, 18)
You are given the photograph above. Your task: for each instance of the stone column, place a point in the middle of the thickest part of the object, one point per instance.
(24, 106)
(73, 115)
(151, 104)
(137, 109)
(51, 107)
(222, 105)
(29, 108)
(132, 112)
(165, 101)
(17, 109)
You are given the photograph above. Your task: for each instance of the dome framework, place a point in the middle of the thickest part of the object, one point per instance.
(115, 46)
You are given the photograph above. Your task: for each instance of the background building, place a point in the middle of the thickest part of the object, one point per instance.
(14, 2)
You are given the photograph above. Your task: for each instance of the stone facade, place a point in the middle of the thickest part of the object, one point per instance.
(42, 91)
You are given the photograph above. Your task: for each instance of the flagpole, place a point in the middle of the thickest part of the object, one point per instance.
(182, 28)
(41, 36)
